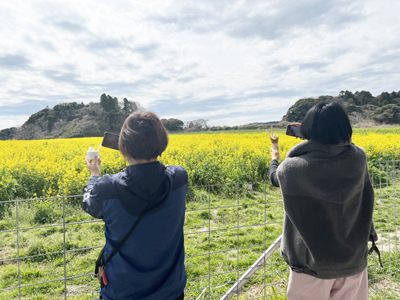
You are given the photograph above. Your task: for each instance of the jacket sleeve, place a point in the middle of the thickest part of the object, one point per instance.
(92, 202)
(272, 172)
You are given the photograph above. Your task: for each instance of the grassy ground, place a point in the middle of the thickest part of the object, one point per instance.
(224, 235)
(226, 230)
(393, 130)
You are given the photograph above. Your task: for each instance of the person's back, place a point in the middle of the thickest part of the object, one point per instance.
(328, 202)
(150, 264)
(328, 199)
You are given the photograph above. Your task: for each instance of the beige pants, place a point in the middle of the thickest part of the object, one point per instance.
(306, 287)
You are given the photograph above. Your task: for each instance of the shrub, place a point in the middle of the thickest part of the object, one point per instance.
(8, 186)
(45, 213)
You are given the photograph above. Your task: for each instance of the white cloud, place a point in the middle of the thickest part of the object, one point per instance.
(196, 58)
(12, 121)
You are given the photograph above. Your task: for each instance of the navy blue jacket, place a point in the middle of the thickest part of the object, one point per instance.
(150, 265)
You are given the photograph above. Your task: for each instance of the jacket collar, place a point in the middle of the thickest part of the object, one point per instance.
(317, 149)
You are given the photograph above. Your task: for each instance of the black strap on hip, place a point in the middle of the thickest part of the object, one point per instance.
(122, 242)
(375, 248)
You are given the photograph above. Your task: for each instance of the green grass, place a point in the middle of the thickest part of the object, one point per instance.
(212, 239)
(222, 218)
(394, 130)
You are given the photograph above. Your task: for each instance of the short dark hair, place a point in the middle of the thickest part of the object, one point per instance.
(326, 123)
(142, 136)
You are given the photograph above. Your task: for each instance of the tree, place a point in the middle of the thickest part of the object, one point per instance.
(197, 125)
(50, 121)
(109, 103)
(364, 97)
(129, 106)
(112, 118)
(388, 114)
(8, 133)
(172, 124)
(113, 121)
(347, 98)
(384, 99)
(346, 95)
(297, 111)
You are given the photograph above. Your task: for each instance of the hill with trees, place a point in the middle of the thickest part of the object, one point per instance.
(361, 107)
(70, 120)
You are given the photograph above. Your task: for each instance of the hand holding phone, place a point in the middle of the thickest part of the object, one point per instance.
(294, 130)
(110, 140)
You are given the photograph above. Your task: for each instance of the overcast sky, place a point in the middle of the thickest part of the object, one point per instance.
(231, 62)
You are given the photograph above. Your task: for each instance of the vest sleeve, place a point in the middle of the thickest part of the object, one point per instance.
(272, 172)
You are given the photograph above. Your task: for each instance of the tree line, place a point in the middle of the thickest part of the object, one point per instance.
(360, 107)
(69, 120)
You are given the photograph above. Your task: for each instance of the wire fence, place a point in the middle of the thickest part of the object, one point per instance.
(385, 174)
(48, 246)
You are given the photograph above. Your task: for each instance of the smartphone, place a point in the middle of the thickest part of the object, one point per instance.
(110, 140)
(294, 131)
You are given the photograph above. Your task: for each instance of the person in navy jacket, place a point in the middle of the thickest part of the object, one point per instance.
(150, 265)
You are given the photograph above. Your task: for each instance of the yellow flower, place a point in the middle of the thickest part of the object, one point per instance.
(57, 167)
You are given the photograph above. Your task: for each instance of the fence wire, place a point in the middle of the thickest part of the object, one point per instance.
(48, 246)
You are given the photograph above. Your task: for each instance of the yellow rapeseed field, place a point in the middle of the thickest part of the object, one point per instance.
(56, 167)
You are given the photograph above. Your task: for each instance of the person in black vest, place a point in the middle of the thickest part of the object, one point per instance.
(150, 264)
(329, 202)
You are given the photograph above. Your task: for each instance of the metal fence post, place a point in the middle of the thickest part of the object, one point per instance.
(209, 241)
(19, 268)
(265, 236)
(65, 258)
(238, 238)
(395, 211)
(259, 263)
